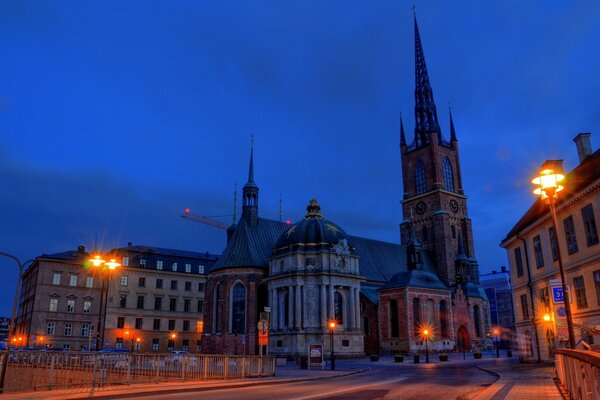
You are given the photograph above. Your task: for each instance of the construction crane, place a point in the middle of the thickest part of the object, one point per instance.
(205, 220)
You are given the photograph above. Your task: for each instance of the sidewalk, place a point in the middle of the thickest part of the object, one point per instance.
(286, 374)
(522, 382)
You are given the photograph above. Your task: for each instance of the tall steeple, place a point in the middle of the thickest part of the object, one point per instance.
(426, 120)
(250, 193)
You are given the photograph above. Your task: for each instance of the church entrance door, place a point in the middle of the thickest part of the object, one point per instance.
(463, 343)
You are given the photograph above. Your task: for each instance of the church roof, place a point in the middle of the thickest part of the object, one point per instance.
(416, 278)
(251, 246)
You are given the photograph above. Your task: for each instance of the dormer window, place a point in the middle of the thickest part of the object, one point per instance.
(174, 266)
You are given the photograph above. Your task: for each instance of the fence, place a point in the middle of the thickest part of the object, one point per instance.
(578, 373)
(38, 370)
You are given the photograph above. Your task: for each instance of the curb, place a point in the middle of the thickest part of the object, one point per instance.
(493, 373)
(220, 387)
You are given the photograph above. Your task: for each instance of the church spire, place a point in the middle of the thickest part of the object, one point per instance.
(250, 193)
(402, 135)
(452, 131)
(426, 120)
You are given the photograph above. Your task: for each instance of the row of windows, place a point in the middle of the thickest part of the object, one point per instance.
(157, 324)
(421, 176)
(158, 301)
(580, 295)
(160, 265)
(187, 286)
(591, 235)
(73, 279)
(86, 329)
(71, 306)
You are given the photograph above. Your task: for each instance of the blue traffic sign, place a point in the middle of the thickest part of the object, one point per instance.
(558, 295)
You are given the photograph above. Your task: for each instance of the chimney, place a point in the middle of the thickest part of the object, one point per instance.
(81, 249)
(503, 268)
(584, 146)
(129, 244)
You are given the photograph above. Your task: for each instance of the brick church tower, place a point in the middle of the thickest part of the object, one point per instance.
(434, 200)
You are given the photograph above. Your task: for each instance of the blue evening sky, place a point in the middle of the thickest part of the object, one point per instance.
(116, 115)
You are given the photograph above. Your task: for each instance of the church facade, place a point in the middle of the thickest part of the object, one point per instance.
(381, 295)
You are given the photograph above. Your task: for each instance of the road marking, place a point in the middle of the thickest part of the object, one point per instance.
(348, 389)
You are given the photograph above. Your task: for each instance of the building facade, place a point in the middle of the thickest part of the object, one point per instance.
(154, 300)
(498, 288)
(531, 247)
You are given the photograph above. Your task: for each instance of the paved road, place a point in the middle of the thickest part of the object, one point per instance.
(381, 381)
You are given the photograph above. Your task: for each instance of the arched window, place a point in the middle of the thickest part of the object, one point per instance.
(366, 325)
(417, 316)
(448, 176)
(443, 319)
(338, 305)
(394, 331)
(215, 310)
(476, 321)
(238, 309)
(420, 178)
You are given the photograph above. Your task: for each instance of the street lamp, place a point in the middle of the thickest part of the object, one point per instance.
(496, 333)
(332, 325)
(13, 316)
(102, 265)
(548, 184)
(425, 333)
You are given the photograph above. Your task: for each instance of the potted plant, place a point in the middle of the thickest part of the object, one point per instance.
(399, 358)
(374, 357)
(477, 354)
(443, 357)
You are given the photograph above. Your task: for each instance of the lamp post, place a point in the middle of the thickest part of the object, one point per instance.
(332, 325)
(21, 265)
(548, 186)
(425, 334)
(101, 265)
(496, 333)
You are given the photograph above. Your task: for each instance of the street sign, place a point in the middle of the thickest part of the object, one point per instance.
(263, 332)
(267, 309)
(315, 356)
(557, 295)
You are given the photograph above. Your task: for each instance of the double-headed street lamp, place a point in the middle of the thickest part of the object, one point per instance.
(21, 265)
(101, 266)
(332, 324)
(548, 184)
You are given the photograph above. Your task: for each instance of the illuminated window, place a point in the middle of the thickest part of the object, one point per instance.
(174, 266)
(159, 264)
(200, 269)
(124, 280)
(188, 268)
(420, 178)
(125, 261)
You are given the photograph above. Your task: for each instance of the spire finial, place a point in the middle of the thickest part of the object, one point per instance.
(426, 120)
(251, 169)
(402, 136)
(235, 204)
(280, 207)
(313, 210)
(452, 131)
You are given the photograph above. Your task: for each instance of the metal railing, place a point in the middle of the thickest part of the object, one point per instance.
(578, 373)
(38, 370)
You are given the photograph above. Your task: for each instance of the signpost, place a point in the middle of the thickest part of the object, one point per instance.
(560, 315)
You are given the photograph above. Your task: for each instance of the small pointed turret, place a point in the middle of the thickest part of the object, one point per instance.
(402, 135)
(413, 251)
(452, 131)
(426, 120)
(461, 263)
(250, 193)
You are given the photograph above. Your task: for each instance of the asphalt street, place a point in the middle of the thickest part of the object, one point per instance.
(381, 381)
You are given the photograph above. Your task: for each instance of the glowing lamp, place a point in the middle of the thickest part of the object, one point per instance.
(426, 332)
(96, 261)
(496, 332)
(547, 317)
(332, 324)
(549, 180)
(173, 336)
(112, 264)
